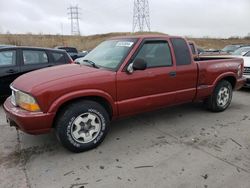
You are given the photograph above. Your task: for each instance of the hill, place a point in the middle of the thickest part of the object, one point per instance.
(89, 42)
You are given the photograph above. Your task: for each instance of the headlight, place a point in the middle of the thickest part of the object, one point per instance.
(240, 71)
(24, 101)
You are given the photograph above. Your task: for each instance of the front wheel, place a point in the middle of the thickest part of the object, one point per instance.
(221, 98)
(82, 126)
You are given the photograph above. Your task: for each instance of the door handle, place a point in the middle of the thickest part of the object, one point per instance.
(172, 74)
(11, 71)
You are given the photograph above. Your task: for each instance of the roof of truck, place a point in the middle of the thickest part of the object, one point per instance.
(145, 36)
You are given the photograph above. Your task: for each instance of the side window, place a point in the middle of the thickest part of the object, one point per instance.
(156, 54)
(181, 50)
(58, 57)
(34, 57)
(7, 58)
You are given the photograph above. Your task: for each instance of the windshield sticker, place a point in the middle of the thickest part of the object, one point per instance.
(124, 44)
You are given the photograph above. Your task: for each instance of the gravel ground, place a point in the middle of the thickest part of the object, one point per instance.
(184, 146)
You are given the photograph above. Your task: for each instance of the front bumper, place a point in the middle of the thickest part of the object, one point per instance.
(247, 84)
(29, 122)
(240, 83)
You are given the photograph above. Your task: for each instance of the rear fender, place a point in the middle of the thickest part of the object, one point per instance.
(223, 76)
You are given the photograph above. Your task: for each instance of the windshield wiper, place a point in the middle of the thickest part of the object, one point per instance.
(91, 63)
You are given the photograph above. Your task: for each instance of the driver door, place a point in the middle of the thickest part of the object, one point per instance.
(9, 70)
(151, 88)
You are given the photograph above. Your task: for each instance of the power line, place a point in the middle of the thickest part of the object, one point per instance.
(141, 16)
(74, 17)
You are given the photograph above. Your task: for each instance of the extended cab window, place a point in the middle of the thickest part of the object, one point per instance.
(34, 57)
(181, 50)
(7, 58)
(156, 54)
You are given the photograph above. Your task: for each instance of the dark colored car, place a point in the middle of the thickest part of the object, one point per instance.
(73, 52)
(121, 77)
(15, 61)
(200, 50)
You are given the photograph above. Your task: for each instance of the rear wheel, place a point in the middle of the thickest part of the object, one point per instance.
(82, 126)
(221, 98)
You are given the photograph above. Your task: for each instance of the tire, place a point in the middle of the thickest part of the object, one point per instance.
(221, 98)
(82, 126)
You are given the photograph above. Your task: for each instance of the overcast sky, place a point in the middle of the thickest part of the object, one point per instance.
(197, 18)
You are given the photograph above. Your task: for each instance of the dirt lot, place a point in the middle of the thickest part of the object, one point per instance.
(184, 147)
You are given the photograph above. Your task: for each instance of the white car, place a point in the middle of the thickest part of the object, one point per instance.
(244, 53)
(246, 58)
(241, 51)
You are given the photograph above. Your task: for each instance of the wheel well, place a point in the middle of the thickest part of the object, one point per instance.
(232, 80)
(97, 99)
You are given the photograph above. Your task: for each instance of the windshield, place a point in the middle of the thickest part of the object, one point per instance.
(242, 50)
(230, 48)
(109, 54)
(247, 54)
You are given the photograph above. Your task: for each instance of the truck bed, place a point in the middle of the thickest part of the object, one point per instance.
(212, 58)
(211, 69)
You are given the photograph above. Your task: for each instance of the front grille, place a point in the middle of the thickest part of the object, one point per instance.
(247, 70)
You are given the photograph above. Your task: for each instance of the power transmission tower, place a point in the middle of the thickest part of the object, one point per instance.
(74, 18)
(141, 16)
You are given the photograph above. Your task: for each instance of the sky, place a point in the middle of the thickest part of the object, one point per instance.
(195, 18)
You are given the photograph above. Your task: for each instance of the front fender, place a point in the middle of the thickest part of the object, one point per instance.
(79, 94)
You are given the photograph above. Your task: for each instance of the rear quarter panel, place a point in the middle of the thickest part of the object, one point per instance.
(212, 71)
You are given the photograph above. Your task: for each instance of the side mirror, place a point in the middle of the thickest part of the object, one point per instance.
(139, 64)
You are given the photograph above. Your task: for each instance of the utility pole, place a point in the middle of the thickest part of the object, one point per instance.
(74, 17)
(141, 16)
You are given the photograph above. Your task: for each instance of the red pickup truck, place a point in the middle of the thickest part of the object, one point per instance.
(121, 77)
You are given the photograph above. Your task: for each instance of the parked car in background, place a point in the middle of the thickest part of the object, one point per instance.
(200, 50)
(121, 77)
(5, 45)
(213, 52)
(247, 54)
(231, 48)
(79, 60)
(246, 58)
(85, 52)
(15, 61)
(197, 51)
(73, 52)
(241, 51)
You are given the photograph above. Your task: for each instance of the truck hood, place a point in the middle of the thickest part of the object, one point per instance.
(44, 76)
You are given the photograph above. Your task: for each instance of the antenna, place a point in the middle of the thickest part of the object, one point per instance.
(74, 18)
(141, 16)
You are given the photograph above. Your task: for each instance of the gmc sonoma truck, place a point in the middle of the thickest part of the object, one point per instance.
(120, 77)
